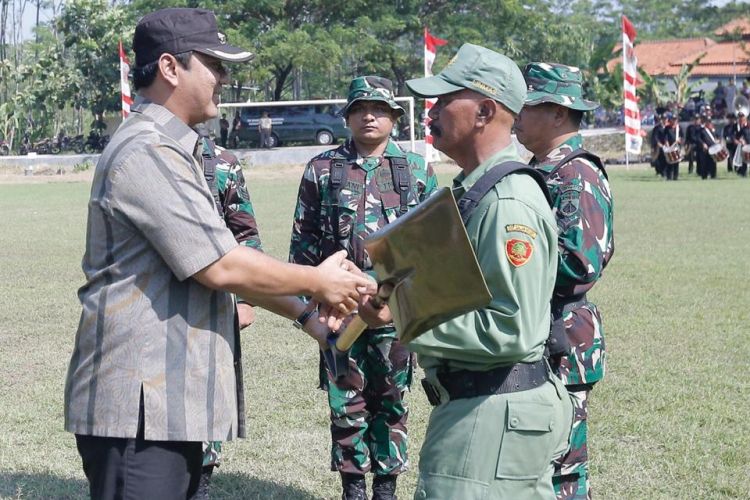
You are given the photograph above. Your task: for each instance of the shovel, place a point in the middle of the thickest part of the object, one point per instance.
(427, 273)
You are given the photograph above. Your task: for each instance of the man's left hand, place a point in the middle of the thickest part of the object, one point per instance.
(246, 314)
(372, 316)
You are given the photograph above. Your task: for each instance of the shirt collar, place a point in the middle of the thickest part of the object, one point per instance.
(170, 125)
(462, 182)
(559, 152)
(348, 152)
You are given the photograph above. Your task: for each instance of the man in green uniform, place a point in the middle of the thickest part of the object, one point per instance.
(500, 415)
(225, 180)
(345, 194)
(548, 126)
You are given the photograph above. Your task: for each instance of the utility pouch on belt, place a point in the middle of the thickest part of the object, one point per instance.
(557, 343)
(432, 394)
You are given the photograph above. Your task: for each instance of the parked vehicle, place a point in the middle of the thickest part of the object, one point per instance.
(317, 123)
(44, 146)
(73, 143)
(95, 143)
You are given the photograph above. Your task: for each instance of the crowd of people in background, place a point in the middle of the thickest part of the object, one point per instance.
(720, 104)
(705, 142)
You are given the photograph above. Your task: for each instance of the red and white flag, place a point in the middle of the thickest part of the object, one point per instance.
(127, 100)
(633, 139)
(431, 43)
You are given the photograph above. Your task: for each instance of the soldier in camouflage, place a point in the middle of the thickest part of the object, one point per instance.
(345, 194)
(223, 174)
(548, 126)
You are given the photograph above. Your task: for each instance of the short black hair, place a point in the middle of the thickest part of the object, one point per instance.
(145, 76)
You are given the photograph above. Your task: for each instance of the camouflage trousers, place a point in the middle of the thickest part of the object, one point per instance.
(571, 476)
(579, 371)
(368, 413)
(211, 453)
(587, 361)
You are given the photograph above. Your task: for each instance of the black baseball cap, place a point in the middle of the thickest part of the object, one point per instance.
(177, 30)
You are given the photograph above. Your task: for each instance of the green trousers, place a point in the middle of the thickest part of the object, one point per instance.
(495, 447)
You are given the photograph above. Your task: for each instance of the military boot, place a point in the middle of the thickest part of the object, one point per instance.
(384, 488)
(354, 487)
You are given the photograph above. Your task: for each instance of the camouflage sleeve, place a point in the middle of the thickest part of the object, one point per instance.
(305, 245)
(239, 215)
(427, 181)
(583, 209)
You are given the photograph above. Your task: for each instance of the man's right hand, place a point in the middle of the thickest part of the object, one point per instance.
(319, 332)
(341, 283)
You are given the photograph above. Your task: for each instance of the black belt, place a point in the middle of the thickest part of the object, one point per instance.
(560, 306)
(464, 384)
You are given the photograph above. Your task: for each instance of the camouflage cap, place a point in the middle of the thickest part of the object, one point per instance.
(479, 69)
(371, 88)
(556, 83)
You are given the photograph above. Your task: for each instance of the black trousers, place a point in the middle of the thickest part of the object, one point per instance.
(742, 170)
(691, 157)
(136, 469)
(730, 159)
(706, 165)
(671, 171)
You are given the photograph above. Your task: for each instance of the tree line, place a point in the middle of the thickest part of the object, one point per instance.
(308, 49)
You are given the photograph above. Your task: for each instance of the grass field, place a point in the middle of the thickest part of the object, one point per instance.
(671, 420)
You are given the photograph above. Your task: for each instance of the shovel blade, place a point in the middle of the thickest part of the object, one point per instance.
(428, 254)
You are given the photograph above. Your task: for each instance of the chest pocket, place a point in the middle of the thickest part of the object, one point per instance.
(396, 189)
(345, 190)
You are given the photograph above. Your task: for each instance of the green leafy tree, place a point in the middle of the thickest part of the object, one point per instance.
(652, 90)
(684, 88)
(9, 120)
(90, 31)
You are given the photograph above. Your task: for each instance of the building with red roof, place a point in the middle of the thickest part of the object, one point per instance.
(720, 59)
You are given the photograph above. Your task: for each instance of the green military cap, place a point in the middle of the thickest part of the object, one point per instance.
(479, 69)
(371, 88)
(556, 83)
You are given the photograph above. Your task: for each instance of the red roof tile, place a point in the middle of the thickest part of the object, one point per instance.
(742, 25)
(740, 70)
(655, 56)
(666, 57)
(723, 52)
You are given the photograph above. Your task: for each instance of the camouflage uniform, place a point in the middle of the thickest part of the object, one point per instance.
(226, 181)
(368, 414)
(583, 207)
(234, 202)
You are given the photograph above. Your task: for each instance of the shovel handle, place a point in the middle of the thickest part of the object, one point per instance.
(357, 325)
(353, 330)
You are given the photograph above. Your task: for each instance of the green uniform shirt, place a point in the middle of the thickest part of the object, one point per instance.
(514, 235)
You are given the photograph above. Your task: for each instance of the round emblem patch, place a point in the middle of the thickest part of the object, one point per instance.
(518, 251)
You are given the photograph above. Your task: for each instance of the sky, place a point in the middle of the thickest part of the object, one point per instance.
(29, 18)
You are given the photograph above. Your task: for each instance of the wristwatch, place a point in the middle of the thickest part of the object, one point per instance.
(299, 323)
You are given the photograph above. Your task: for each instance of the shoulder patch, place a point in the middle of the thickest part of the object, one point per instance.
(570, 198)
(520, 228)
(518, 251)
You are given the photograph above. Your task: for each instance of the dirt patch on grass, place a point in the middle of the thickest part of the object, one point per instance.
(266, 172)
(45, 175)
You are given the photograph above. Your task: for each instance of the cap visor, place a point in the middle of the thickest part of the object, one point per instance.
(535, 98)
(228, 53)
(431, 86)
(394, 106)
